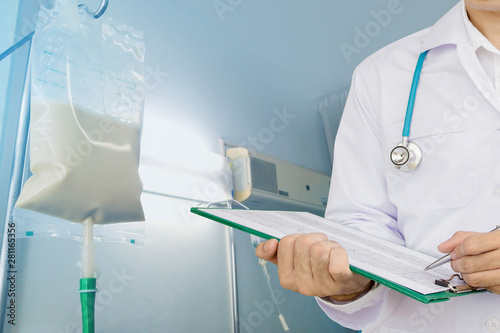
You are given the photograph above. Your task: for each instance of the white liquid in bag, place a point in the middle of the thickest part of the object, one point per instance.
(84, 165)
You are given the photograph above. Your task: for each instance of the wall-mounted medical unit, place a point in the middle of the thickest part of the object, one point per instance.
(263, 182)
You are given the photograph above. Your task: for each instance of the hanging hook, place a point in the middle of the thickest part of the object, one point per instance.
(102, 8)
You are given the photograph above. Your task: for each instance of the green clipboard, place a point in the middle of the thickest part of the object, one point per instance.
(424, 298)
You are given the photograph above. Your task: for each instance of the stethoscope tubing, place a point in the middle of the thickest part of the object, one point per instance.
(413, 93)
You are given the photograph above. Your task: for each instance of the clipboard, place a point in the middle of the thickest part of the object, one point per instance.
(449, 286)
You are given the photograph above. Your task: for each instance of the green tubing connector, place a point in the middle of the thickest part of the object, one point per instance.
(87, 299)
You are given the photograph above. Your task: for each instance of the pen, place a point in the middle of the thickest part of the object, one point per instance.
(447, 258)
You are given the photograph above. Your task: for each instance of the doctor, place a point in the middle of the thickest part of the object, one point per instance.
(433, 208)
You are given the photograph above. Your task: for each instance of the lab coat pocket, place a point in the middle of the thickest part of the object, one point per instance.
(447, 176)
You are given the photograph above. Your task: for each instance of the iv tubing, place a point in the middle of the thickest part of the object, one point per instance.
(87, 282)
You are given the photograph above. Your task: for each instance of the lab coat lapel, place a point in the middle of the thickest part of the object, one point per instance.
(450, 30)
(473, 67)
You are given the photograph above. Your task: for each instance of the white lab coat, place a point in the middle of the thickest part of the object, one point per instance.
(456, 123)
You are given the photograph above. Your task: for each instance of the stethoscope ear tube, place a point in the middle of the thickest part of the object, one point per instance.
(406, 156)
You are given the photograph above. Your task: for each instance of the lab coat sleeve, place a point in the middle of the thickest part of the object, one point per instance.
(356, 314)
(358, 193)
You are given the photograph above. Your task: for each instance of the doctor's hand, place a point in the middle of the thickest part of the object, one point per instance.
(313, 265)
(476, 256)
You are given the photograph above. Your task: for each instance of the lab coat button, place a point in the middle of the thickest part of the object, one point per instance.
(497, 192)
(493, 325)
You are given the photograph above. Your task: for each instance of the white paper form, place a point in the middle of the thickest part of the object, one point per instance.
(382, 258)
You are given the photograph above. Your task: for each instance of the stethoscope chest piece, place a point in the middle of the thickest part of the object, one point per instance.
(406, 156)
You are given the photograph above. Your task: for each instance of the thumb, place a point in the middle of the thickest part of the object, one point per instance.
(454, 241)
(268, 250)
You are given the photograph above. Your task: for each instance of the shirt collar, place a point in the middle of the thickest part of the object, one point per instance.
(476, 38)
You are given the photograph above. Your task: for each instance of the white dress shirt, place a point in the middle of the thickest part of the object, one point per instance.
(456, 123)
(487, 53)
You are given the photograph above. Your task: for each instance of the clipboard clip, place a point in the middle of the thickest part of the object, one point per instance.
(458, 289)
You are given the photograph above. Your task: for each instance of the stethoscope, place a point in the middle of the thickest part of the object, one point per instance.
(406, 156)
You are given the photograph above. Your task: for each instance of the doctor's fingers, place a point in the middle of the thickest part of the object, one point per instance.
(477, 243)
(477, 263)
(268, 250)
(454, 241)
(312, 272)
(320, 268)
(494, 289)
(294, 267)
(486, 279)
(331, 272)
